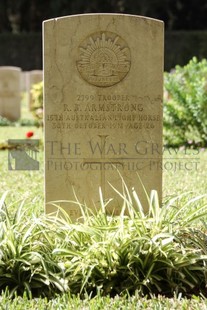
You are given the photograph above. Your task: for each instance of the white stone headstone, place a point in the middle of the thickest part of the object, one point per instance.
(103, 82)
(10, 92)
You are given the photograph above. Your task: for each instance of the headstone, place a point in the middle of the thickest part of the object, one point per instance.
(25, 81)
(103, 82)
(35, 76)
(10, 92)
(25, 86)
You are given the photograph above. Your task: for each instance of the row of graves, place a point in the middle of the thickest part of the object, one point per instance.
(14, 82)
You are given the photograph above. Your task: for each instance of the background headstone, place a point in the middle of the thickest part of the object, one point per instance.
(10, 92)
(25, 85)
(103, 83)
(25, 81)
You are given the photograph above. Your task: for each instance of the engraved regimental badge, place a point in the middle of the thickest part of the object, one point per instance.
(103, 59)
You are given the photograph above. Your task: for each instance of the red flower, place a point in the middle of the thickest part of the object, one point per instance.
(29, 134)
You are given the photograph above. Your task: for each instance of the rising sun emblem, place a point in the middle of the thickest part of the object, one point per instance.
(103, 59)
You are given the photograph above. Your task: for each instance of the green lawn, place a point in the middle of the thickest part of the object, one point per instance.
(184, 171)
(66, 302)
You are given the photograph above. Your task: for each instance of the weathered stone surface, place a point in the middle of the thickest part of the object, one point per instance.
(10, 90)
(103, 80)
(25, 81)
(36, 76)
(25, 86)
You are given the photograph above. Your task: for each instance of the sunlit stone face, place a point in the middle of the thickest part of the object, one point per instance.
(103, 76)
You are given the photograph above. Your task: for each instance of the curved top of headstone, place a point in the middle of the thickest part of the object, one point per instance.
(87, 15)
(99, 43)
(36, 71)
(10, 68)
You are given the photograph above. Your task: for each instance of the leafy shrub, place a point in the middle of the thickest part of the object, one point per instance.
(5, 122)
(28, 122)
(37, 100)
(161, 252)
(185, 104)
(25, 263)
(22, 122)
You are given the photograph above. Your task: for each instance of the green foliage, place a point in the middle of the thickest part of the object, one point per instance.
(37, 100)
(22, 122)
(5, 122)
(28, 122)
(25, 263)
(161, 252)
(185, 104)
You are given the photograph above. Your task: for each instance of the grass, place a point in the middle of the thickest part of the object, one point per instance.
(22, 184)
(68, 302)
(184, 171)
(29, 186)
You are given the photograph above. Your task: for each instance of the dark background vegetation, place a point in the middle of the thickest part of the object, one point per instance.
(27, 15)
(21, 24)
